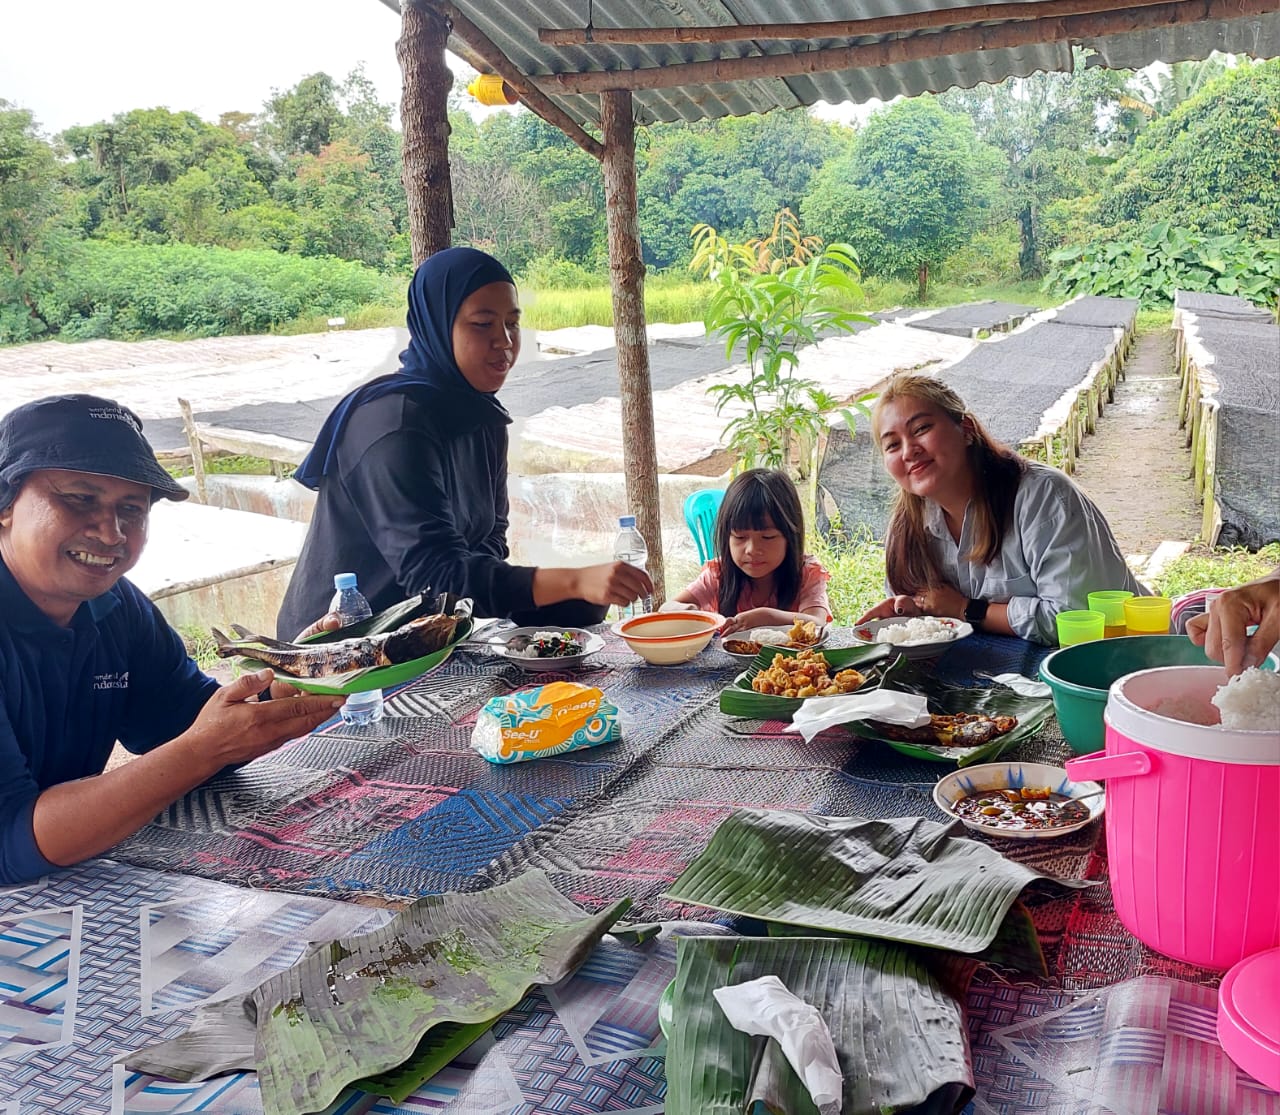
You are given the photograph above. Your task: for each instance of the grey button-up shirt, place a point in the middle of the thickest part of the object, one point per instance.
(1058, 549)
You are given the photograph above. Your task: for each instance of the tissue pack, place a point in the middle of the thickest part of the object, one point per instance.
(545, 720)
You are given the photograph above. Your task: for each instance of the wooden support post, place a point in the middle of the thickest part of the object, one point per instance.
(424, 118)
(197, 451)
(626, 273)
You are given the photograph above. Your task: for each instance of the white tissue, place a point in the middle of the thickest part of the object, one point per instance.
(765, 1006)
(908, 709)
(1024, 687)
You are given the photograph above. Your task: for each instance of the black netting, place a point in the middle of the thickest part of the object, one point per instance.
(1219, 305)
(971, 317)
(1092, 310)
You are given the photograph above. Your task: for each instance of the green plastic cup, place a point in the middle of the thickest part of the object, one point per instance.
(1148, 615)
(1111, 604)
(1080, 626)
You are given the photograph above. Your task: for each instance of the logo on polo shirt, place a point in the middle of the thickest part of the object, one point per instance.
(116, 414)
(111, 681)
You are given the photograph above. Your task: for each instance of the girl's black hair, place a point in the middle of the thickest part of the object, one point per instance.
(756, 499)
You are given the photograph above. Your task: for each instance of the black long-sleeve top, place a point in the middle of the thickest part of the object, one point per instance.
(417, 501)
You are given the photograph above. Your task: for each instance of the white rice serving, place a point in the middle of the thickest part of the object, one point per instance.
(918, 629)
(1250, 701)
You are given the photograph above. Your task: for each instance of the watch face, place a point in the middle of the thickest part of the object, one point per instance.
(975, 611)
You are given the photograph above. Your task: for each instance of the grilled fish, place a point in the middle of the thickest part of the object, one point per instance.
(416, 639)
(960, 729)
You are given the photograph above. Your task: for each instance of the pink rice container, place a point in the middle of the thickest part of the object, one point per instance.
(1193, 821)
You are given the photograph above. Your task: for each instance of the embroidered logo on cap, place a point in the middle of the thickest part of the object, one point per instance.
(115, 414)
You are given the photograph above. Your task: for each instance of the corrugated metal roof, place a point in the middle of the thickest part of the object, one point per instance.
(513, 26)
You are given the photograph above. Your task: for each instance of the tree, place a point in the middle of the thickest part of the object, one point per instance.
(338, 201)
(302, 120)
(916, 184)
(1050, 127)
(33, 243)
(1211, 166)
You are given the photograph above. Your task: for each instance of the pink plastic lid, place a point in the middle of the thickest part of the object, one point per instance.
(1249, 1016)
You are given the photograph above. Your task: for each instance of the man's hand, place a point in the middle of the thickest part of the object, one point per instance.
(613, 583)
(234, 726)
(330, 621)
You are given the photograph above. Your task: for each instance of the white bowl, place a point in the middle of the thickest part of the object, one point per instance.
(1012, 776)
(864, 634)
(668, 638)
(509, 645)
(770, 637)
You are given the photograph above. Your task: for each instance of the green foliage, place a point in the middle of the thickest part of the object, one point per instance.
(916, 185)
(855, 561)
(1168, 259)
(1211, 166)
(125, 291)
(665, 299)
(33, 241)
(1205, 568)
(772, 297)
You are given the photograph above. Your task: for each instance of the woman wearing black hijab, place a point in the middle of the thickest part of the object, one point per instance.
(410, 470)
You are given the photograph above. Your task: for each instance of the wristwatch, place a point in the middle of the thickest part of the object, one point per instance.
(975, 611)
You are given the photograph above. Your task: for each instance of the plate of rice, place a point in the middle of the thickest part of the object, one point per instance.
(745, 645)
(914, 636)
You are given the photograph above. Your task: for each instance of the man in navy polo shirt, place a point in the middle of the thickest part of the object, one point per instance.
(86, 659)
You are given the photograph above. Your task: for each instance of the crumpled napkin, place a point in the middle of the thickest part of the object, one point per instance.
(1023, 686)
(765, 1006)
(817, 713)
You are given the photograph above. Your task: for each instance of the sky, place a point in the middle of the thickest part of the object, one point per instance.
(80, 61)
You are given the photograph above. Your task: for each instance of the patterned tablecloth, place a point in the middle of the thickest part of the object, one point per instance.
(112, 955)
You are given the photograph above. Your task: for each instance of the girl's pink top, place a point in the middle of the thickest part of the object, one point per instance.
(705, 590)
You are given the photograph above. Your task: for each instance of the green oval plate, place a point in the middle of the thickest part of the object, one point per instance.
(372, 677)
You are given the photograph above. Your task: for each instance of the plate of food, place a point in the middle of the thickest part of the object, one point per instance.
(543, 649)
(913, 636)
(745, 645)
(396, 645)
(967, 724)
(1022, 801)
(780, 680)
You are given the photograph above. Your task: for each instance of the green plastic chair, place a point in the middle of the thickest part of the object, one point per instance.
(700, 510)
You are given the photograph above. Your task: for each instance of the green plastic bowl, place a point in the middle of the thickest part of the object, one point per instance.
(1081, 676)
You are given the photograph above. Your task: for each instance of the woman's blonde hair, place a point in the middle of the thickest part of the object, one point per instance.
(997, 472)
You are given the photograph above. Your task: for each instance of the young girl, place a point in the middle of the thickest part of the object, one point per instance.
(761, 576)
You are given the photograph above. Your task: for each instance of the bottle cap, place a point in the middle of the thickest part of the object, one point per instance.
(627, 522)
(344, 580)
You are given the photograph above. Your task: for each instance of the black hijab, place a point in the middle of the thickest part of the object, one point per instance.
(439, 287)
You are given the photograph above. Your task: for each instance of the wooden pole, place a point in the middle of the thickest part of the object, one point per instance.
(833, 29)
(489, 55)
(424, 119)
(626, 273)
(197, 450)
(913, 48)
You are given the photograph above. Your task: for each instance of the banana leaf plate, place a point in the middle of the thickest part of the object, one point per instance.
(904, 676)
(739, 699)
(374, 677)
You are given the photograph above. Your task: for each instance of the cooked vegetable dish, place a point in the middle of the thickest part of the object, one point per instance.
(1032, 807)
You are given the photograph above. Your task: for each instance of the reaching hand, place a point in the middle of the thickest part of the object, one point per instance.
(1223, 629)
(234, 727)
(893, 606)
(613, 583)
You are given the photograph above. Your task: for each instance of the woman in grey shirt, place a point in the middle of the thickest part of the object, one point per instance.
(978, 532)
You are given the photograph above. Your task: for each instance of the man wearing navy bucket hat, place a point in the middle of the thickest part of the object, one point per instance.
(86, 659)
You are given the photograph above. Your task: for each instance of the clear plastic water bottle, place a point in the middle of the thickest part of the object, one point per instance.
(350, 604)
(630, 547)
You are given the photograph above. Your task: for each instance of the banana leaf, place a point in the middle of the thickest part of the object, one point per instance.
(739, 699)
(359, 1007)
(899, 1037)
(904, 676)
(903, 879)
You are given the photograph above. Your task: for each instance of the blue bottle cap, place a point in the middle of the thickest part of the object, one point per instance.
(627, 522)
(344, 580)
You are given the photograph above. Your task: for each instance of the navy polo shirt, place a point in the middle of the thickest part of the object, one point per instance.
(118, 672)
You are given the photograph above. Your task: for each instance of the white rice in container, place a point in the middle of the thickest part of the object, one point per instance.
(1251, 701)
(918, 629)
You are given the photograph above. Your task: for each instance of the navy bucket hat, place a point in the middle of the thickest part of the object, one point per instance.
(79, 433)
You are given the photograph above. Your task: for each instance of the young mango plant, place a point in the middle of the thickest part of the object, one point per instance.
(774, 296)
